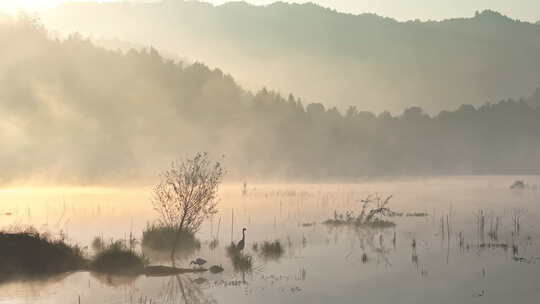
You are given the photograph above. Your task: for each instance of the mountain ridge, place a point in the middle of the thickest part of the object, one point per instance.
(372, 62)
(78, 113)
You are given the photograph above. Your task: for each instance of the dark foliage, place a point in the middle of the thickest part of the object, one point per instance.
(373, 210)
(271, 250)
(117, 259)
(216, 269)
(371, 61)
(30, 253)
(518, 185)
(161, 238)
(98, 244)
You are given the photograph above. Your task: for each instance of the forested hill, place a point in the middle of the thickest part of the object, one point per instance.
(338, 59)
(74, 112)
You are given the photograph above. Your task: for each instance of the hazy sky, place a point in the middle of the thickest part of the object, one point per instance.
(399, 9)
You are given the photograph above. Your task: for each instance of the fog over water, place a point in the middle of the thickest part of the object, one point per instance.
(320, 263)
(158, 152)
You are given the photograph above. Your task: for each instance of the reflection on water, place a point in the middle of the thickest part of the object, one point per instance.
(180, 289)
(114, 280)
(455, 240)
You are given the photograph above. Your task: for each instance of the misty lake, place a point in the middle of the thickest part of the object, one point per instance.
(436, 253)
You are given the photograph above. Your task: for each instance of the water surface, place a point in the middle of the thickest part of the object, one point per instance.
(320, 263)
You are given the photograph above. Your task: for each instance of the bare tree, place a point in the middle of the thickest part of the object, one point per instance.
(187, 194)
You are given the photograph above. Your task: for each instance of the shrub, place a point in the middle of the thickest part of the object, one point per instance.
(373, 208)
(98, 244)
(161, 238)
(29, 252)
(117, 259)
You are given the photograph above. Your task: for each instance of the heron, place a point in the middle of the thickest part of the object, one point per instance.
(240, 246)
(198, 261)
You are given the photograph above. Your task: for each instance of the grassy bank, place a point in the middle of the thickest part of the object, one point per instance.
(31, 253)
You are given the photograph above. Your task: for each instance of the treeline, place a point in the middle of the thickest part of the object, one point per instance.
(340, 59)
(74, 112)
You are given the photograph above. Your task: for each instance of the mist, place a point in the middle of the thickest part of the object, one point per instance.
(75, 112)
(181, 152)
(372, 62)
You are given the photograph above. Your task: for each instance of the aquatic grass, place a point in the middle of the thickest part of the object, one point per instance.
(519, 184)
(494, 246)
(376, 223)
(216, 269)
(364, 258)
(98, 244)
(372, 211)
(241, 262)
(213, 244)
(271, 250)
(116, 258)
(162, 238)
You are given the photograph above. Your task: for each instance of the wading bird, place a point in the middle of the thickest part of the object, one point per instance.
(198, 261)
(242, 242)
